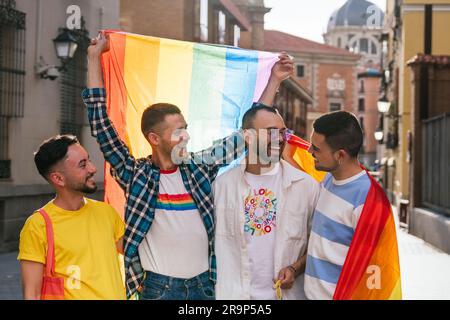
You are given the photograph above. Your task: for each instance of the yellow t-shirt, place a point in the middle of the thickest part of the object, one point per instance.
(85, 249)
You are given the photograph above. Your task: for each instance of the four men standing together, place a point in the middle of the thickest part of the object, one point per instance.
(262, 230)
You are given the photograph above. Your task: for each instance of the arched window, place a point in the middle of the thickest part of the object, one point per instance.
(374, 49)
(364, 45)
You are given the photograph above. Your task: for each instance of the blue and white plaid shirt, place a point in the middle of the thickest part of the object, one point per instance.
(139, 178)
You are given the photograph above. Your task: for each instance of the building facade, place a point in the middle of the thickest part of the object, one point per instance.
(357, 27)
(328, 73)
(32, 106)
(417, 32)
(213, 21)
(227, 22)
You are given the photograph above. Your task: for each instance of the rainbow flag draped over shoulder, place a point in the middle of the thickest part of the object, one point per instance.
(212, 85)
(371, 269)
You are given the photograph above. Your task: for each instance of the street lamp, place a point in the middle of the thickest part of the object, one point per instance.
(379, 135)
(65, 46)
(383, 105)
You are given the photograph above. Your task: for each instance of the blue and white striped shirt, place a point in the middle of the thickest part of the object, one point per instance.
(335, 219)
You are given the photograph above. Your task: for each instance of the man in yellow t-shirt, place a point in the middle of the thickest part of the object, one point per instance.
(88, 234)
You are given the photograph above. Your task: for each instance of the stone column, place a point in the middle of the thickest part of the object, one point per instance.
(255, 11)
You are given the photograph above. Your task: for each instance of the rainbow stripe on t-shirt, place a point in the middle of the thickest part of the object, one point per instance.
(175, 202)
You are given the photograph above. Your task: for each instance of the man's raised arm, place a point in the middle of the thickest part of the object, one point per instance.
(281, 71)
(114, 150)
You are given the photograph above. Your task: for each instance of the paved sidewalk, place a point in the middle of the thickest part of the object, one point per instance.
(425, 271)
(10, 282)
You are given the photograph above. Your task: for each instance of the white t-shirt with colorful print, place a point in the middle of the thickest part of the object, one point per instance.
(260, 228)
(177, 243)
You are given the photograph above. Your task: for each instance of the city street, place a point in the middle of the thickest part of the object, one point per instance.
(96, 98)
(424, 271)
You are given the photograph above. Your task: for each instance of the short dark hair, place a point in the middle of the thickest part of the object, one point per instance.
(341, 130)
(155, 114)
(250, 114)
(51, 151)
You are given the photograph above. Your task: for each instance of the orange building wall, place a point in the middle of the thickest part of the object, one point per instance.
(371, 115)
(347, 73)
(154, 17)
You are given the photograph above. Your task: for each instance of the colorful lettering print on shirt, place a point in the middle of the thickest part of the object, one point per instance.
(260, 229)
(260, 212)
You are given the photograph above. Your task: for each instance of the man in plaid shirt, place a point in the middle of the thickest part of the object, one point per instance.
(169, 214)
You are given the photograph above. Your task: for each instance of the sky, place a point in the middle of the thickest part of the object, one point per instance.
(304, 18)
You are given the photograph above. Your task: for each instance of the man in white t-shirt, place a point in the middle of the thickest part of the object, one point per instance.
(263, 213)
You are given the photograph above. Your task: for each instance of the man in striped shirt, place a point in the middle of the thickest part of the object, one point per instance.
(335, 143)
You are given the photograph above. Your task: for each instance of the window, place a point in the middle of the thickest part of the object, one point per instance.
(236, 36)
(300, 71)
(72, 83)
(374, 48)
(221, 27)
(335, 107)
(361, 122)
(361, 104)
(12, 75)
(364, 45)
(335, 84)
(339, 42)
(201, 20)
(361, 87)
(5, 163)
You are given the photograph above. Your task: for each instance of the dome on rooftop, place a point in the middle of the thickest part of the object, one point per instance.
(356, 13)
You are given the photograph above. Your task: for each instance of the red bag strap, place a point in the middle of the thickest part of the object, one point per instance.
(50, 262)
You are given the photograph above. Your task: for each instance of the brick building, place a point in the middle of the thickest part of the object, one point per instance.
(213, 21)
(329, 73)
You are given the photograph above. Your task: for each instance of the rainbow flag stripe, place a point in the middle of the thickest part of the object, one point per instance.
(212, 85)
(177, 202)
(371, 269)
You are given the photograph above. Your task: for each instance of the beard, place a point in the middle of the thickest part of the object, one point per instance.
(177, 154)
(268, 153)
(326, 169)
(88, 190)
(273, 155)
(85, 188)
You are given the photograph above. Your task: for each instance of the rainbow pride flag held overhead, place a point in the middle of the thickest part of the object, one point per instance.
(212, 85)
(371, 269)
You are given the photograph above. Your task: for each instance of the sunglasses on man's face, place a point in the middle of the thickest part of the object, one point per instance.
(278, 134)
